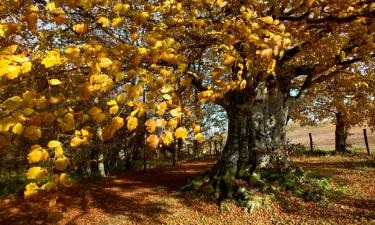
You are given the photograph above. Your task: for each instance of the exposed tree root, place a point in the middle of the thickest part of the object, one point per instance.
(253, 191)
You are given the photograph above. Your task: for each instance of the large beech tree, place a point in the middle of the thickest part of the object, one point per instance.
(71, 69)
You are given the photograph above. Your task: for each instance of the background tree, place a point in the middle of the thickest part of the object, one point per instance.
(345, 100)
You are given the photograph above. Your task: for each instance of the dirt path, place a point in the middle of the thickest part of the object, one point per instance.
(149, 198)
(132, 195)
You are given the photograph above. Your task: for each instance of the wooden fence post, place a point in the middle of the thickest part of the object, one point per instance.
(311, 143)
(366, 141)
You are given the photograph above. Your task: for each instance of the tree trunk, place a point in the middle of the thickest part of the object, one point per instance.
(340, 133)
(256, 135)
(101, 166)
(174, 154)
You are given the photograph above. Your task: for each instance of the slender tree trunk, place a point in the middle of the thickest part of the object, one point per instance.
(101, 166)
(174, 154)
(256, 135)
(340, 133)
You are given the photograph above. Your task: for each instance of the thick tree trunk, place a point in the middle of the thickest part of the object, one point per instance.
(256, 135)
(340, 133)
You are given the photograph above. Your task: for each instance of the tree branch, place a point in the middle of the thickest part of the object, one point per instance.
(330, 18)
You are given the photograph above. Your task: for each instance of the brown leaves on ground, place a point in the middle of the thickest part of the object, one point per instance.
(149, 198)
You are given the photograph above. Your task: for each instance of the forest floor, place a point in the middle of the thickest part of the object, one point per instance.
(150, 197)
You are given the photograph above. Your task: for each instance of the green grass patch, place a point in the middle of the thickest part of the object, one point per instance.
(12, 184)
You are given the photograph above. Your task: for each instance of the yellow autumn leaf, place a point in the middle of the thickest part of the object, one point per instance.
(229, 60)
(181, 132)
(167, 138)
(32, 133)
(117, 22)
(132, 122)
(76, 141)
(18, 129)
(61, 163)
(243, 84)
(199, 137)
(36, 173)
(50, 185)
(112, 102)
(37, 153)
(26, 67)
(63, 179)
(173, 123)
(50, 6)
(80, 28)
(196, 129)
(52, 59)
(113, 109)
(117, 122)
(53, 144)
(153, 141)
(54, 82)
(59, 151)
(142, 51)
(104, 21)
(31, 189)
(85, 133)
(151, 125)
(105, 62)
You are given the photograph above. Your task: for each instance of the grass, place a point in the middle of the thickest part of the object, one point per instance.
(12, 184)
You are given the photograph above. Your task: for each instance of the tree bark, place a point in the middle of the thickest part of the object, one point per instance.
(340, 133)
(256, 133)
(101, 166)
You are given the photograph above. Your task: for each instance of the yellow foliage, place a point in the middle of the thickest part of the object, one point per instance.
(52, 59)
(229, 60)
(105, 63)
(153, 141)
(199, 137)
(117, 22)
(18, 129)
(54, 82)
(113, 109)
(59, 151)
(181, 132)
(196, 128)
(112, 102)
(31, 189)
(132, 122)
(6, 124)
(61, 163)
(36, 173)
(50, 185)
(104, 21)
(80, 28)
(117, 122)
(76, 141)
(167, 138)
(151, 125)
(53, 144)
(63, 179)
(37, 153)
(32, 133)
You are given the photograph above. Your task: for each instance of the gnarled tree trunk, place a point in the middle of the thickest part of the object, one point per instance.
(256, 134)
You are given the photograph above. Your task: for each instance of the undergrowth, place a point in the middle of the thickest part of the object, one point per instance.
(265, 184)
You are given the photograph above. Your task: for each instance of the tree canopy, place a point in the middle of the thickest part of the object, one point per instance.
(70, 69)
